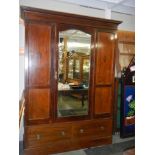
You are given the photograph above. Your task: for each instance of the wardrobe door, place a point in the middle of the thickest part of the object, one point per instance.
(73, 98)
(104, 70)
(38, 75)
(39, 54)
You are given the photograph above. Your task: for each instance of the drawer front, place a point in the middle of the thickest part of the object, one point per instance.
(46, 135)
(101, 128)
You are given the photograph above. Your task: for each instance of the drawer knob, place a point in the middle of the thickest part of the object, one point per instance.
(38, 136)
(102, 127)
(81, 130)
(63, 133)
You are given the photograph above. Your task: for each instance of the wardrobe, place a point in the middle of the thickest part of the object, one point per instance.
(55, 120)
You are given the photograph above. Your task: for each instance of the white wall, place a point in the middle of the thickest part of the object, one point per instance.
(128, 20)
(21, 88)
(21, 59)
(62, 7)
(21, 75)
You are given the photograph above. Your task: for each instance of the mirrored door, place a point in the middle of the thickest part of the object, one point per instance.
(73, 73)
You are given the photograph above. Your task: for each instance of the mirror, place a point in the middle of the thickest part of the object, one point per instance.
(73, 73)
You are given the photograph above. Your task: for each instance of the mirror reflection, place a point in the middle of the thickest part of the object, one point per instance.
(73, 73)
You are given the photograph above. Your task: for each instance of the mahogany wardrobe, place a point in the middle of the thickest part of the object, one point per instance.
(69, 81)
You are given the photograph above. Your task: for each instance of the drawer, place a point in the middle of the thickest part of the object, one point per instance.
(95, 128)
(44, 135)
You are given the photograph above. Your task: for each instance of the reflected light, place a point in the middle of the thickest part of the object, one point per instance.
(112, 37)
(79, 45)
(115, 36)
(26, 63)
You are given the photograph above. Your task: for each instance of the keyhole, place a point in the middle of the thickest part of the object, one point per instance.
(62, 133)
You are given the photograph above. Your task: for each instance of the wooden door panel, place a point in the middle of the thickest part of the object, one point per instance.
(39, 104)
(103, 97)
(104, 58)
(39, 40)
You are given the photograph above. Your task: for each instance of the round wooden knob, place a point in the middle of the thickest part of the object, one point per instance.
(62, 133)
(102, 127)
(38, 136)
(81, 130)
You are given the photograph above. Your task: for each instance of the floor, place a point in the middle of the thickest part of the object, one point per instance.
(118, 147)
(114, 149)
